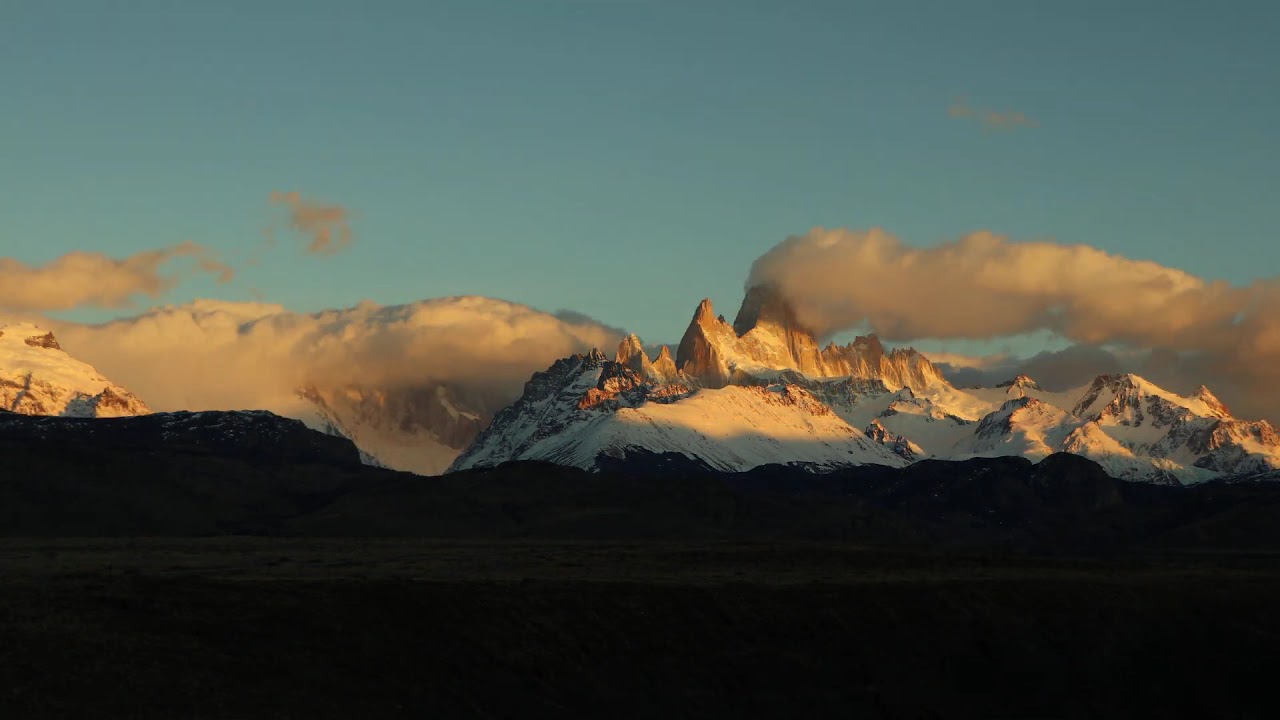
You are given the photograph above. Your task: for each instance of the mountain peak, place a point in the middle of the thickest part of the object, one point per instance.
(629, 349)
(767, 337)
(705, 313)
(700, 352)
(869, 343)
(764, 304)
(37, 377)
(1215, 405)
(768, 324)
(30, 334)
(631, 354)
(1021, 382)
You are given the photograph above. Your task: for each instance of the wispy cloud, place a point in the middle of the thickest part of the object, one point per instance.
(91, 279)
(327, 227)
(992, 119)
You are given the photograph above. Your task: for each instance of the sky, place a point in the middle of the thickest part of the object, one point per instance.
(626, 159)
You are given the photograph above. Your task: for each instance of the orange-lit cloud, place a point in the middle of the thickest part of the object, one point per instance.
(212, 354)
(993, 119)
(91, 279)
(326, 227)
(984, 286)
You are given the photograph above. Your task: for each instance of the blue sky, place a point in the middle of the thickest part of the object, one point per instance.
(626, 159)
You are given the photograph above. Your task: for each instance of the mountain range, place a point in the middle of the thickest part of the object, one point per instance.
(762, 390)
(733, 396)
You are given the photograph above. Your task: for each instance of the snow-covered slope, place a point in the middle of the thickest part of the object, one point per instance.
(38, 378)
(586, 407)
(760, 391)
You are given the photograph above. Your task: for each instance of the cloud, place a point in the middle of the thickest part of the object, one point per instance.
(327, 226)
(992, 119)
(984, 286)
(575, 318)
(93, 279)
(1055, 370)
(223, 355)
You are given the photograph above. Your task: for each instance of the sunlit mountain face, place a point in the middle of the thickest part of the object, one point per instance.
(763, 391)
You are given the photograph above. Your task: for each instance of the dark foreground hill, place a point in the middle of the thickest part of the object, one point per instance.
(285, 580)
(211, 473)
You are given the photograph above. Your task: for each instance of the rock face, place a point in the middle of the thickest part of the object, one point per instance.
(631, 354)
(664, 366)
(699, 354)
(768, 322)
(865, 357)
(37, 377)
(767, 337)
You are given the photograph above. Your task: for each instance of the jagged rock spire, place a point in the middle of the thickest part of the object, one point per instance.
(768, 335)
(664, 366)
(631, 354)
(698, 355)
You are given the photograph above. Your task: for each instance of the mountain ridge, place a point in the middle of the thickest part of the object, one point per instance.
(895, 398)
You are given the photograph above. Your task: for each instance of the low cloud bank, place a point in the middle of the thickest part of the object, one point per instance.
(223, 355)
(1178, 327)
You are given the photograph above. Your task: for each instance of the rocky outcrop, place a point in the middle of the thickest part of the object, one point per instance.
(46, 341)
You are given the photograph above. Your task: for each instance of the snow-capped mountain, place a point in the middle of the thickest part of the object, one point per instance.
(38, 378)
(762, 391)
(420, 429)
(586, 407)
